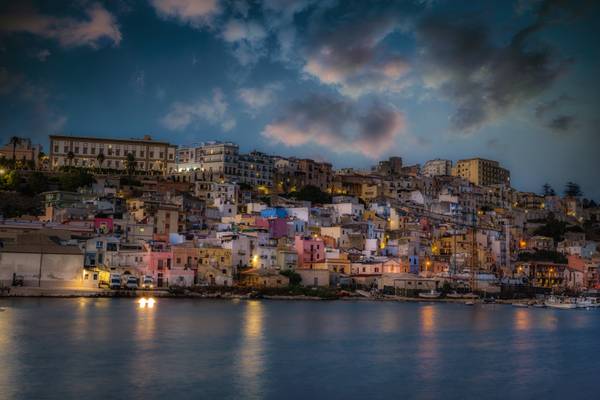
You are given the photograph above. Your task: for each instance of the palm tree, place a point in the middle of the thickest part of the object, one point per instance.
(130, 164)
(70, 156)
(41, 157)
(15, 140)
(100, 158)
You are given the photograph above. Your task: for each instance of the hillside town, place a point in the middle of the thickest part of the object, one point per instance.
(110, 215)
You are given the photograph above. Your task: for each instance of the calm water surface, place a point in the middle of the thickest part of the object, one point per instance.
(201, 349)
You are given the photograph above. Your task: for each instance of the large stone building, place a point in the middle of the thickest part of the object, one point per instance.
(293, 174)
(437, 167)
(482, 172)
(150, 156)
(22, 149)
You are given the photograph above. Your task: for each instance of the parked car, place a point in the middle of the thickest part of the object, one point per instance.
(131, 283)
(147, 282)
(115, 281)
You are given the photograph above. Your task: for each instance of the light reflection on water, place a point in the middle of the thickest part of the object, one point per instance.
(252, 358)
(295, 350)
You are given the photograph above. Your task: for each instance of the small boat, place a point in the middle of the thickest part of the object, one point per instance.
(469, 296)
(583, 302)
(432, 294)
(454, 295)
(469, 303)
(521, 305)
(560, 303)
(539, 305)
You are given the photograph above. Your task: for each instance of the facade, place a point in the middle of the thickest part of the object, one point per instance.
(311, 251)
(150, 156)
(219, 160)
(437, 167)
(24, 151)
(256, 169)
(39, 260)
(482, 172)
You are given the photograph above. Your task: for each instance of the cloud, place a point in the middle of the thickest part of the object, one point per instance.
(196, 13)
(247, 39)
(485, 81)
(351, 54)
(43, 55)
(543, 109)
(562, 123)
(337, 124)
(257, 98)
(99, 26)
(138, 80)
(215, 111)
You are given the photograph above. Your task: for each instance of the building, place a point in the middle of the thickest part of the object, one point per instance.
(151, 156)
(219, 160)
(256, 169)
(391, 166)
(310, 251)
(437, 167)
(41, 260)
(24, 151)
(482, 172)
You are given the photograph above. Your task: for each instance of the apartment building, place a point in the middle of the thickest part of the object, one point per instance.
(150, 156)
(437, 167)
(482, 172)
(256, 169)
(293, 174)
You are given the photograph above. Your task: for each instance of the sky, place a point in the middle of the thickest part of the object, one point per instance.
(350, 82)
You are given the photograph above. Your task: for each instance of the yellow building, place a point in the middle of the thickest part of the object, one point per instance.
(150, 156)
(482, 172)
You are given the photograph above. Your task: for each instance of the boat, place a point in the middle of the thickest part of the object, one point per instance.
(469, 296)
(522, 305)
(539, 305)
(432, 294)
(560, 303)
(454, 295)
(583, 302)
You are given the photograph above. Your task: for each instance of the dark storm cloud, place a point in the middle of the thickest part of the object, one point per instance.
(562, 124)
(338, 124)
(483, 79)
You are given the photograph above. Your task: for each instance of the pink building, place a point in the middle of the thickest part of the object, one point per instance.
(277, 226)
(159, 262)
(310, 251)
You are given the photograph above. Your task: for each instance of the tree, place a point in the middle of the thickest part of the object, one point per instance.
(70, 156)
(547, 190)
(100, 158)
(293, 276)
(312, 194)
(130, 164)
(15, 140)
(572, 189)
(41, 157)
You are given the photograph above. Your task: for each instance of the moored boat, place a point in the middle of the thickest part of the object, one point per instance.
(522, 305)
(560, 303)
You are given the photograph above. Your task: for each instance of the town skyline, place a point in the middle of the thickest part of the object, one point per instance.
(296, 79)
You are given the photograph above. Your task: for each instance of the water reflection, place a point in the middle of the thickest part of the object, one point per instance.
(144, 342)
(9, 353)
(522, 320)
(252, 363)
(427, 351)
